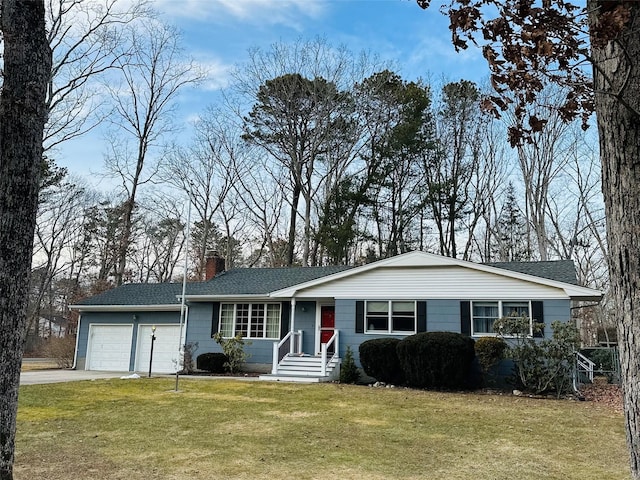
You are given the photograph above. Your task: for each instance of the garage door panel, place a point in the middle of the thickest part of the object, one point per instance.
(165, 348)
(109, 347)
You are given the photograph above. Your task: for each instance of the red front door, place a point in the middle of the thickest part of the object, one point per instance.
(327, 324)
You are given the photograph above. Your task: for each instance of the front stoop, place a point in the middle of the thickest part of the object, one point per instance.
(304, 369)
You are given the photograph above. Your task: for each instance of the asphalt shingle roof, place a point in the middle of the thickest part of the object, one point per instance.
(262, 281)
(259, 281)
(137, 294)
(239, 281)
(558, 270)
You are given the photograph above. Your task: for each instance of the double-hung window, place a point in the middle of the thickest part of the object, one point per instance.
(484, 313)
(250, 320)
(390, 316)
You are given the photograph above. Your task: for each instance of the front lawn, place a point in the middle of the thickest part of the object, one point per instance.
(142, 429)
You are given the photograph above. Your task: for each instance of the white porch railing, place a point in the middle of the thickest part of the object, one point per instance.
(584, 365)
(324, 349)
(290, 344)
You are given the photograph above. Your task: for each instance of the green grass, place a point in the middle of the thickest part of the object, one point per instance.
(141, 429)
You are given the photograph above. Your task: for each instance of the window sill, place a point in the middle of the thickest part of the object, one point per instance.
(381, 332)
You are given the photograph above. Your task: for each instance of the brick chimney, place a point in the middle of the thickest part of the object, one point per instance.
(215, 265)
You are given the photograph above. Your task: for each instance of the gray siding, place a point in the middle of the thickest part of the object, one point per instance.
(199, 331)
(121, 318)
(346, 323)
(442, 316)
(306, 321)
(555, 310)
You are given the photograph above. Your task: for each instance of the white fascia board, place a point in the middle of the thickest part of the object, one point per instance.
(126, 308)
(419, 259)
(214, 298)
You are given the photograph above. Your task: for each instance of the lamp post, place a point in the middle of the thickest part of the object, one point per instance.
(153, 339)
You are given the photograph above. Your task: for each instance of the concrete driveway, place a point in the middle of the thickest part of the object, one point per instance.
(59, 376)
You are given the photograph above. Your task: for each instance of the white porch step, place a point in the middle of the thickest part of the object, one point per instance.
(303, 368)
(294, 378)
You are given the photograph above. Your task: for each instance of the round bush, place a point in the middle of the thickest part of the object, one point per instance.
(212, 362)
(490, 350)
(439, 360)
(379, 359)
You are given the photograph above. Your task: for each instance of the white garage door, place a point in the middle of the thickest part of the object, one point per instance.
(165, 349)
(109, 347)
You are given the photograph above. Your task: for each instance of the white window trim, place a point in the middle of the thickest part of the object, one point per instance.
(500, 315)
(251, 304)
(389, 331)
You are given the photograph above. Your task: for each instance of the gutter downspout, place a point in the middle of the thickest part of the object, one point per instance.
(75, 354)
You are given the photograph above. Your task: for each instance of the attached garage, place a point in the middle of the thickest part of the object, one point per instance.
(109, 347)
(165, 348)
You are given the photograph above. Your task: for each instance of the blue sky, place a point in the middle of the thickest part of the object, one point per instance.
(218, 34)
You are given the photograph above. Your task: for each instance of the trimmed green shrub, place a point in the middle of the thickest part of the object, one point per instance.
(212, 362)
(233, 348)
(490, 350)
(379, 359)
(348, 370)
(439, 360)
(544, 365)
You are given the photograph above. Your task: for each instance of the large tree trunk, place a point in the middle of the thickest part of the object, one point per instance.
(27, 66)
(291, 241)
(617, 87)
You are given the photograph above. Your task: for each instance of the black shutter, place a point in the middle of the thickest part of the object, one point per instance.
(359, 316)
(285, 319)
(215, 318)
(422, 316)
(465, 318)
(537, 314)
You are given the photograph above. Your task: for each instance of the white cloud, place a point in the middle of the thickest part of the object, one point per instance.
(437, 54)
(270, 12)
(218, 73)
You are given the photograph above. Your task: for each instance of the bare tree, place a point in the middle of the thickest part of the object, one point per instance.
(264, 197)
(542, 160)
(452, 167)
(85, 38)
(487, 186)
(576, 213)
(57, 227)
(160, 238)
(206, 172)
(152, 76)
(23, 113)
